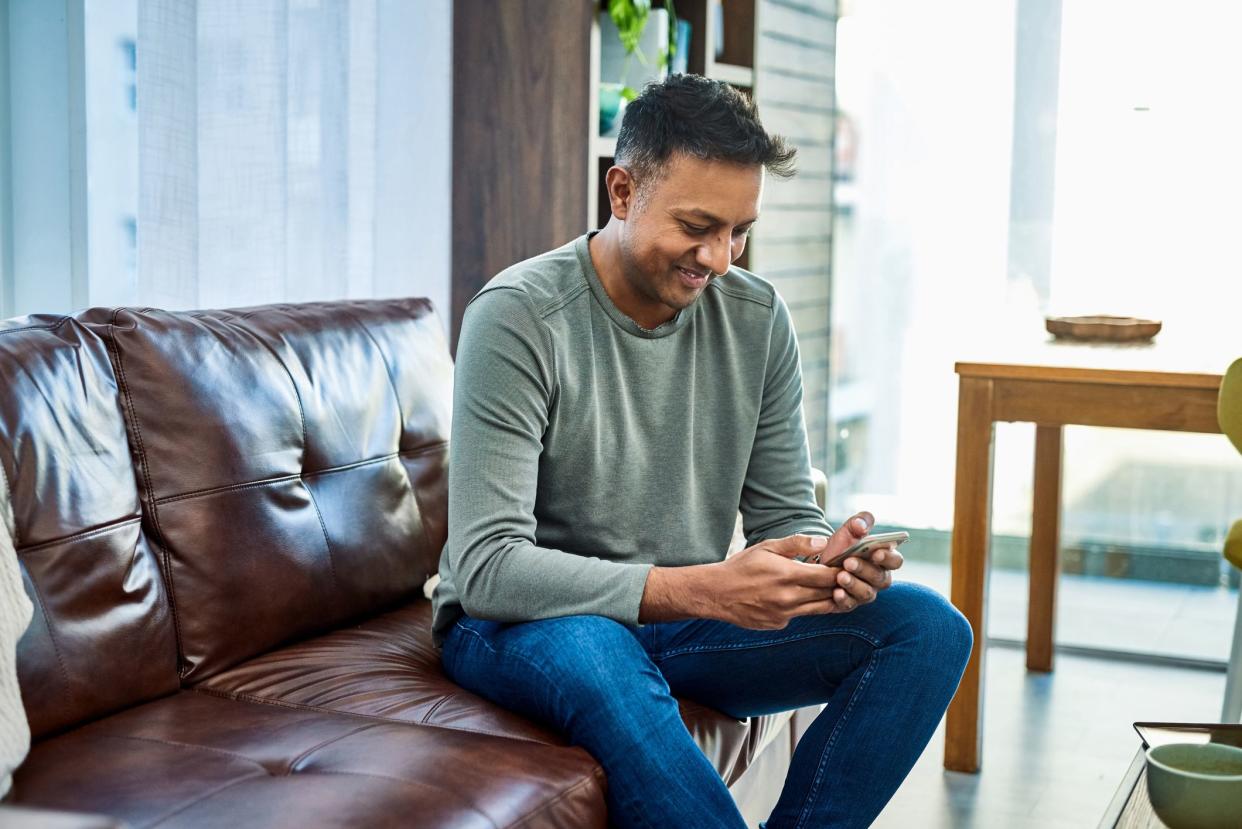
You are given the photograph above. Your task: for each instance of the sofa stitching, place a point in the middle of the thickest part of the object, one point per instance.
(297, 706)
(215, 490)
(152, 506)
(47, 619)
(293, 764)
(8, 495)
(392, 384)
(542, 808)
(81, 536)
(61, 322)
(297, 394)
(204, 796)
(179, 744)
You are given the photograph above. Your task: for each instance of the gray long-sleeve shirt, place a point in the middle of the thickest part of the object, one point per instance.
(586, 449)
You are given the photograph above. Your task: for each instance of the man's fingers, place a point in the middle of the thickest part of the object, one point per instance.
(877, 576)
(818, 608)
(851, 531)
(816, 577)
(805, 546)
(857, 588)
(843, 600)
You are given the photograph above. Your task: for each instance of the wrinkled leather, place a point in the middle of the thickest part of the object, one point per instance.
(194, 759)
(244, 505)
(305, 445)
(387, 667)
(101, 636)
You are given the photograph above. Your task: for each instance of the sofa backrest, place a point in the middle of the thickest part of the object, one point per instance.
(101, 637)
(291, 461)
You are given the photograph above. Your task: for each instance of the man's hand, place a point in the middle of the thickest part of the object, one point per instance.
(763, 587)
(859, 579)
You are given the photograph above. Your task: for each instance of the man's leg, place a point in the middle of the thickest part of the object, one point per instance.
(887, 671)
(590, 679)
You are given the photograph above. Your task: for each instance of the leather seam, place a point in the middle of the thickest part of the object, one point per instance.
(392, 384)
(152, 506)
(8, 495)
(242, 697)
(81, 536)
(204, 796)
(51, 633)
(62, 321)
(179, 744)
(297, 395)
(168, 499)
(292, 767)
(542, 808)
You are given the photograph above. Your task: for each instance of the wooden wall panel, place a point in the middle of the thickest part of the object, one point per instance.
(795, 90)
(521, 127)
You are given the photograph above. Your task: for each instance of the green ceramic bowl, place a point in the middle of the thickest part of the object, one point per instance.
(1196, 785)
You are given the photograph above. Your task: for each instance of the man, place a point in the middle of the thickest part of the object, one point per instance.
(616, 401)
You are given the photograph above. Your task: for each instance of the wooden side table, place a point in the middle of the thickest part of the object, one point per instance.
(1053, 386)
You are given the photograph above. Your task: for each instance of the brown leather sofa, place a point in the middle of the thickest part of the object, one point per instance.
(224, 520)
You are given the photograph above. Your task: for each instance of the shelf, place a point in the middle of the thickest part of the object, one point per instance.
(736, 75)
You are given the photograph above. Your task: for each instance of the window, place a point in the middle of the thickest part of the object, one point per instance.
(998, 162)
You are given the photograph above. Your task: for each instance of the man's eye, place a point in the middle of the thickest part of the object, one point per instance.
(697, 230)
(741, 232)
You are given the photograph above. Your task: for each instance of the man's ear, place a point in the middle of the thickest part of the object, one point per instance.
(621, 191)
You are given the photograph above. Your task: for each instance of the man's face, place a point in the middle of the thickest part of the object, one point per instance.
(685, 229)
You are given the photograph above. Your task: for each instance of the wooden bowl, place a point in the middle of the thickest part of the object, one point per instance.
(1102, 328)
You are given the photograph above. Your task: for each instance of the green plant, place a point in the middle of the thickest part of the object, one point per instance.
(630, 18)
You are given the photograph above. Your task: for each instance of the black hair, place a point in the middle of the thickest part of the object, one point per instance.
(700, 117)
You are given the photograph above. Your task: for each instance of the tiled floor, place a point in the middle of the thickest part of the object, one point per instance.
(1056, 745)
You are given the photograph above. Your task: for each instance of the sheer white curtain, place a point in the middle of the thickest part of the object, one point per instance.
(292, 150)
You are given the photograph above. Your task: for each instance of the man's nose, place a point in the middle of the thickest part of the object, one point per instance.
(715, 255)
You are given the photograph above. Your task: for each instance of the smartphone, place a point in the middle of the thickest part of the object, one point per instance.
(864, 548)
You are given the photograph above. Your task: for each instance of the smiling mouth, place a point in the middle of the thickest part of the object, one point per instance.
(692, 279)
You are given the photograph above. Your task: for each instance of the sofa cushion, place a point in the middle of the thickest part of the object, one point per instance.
(387, 668)
(198, 760)
(292, 461)
(101, 637)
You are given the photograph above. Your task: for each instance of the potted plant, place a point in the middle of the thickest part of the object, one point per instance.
(629, 19)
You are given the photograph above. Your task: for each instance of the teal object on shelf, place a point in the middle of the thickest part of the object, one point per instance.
(610, 105)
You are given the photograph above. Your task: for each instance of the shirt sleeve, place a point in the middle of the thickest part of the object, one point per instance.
(778, 495)
(504, 387)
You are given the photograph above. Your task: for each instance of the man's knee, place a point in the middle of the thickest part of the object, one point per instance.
(935, 625)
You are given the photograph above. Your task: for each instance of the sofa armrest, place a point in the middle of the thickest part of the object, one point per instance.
(821, 488)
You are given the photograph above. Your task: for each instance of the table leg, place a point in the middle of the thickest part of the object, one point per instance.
(972, 509)
(1045, 558)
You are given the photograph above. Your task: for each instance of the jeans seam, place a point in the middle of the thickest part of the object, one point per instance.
(805, 813)
(858, 632)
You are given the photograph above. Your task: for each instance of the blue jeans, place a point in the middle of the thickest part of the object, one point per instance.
(886, 670)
